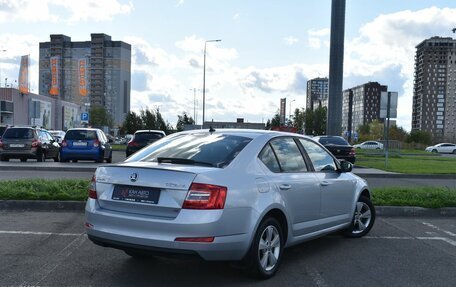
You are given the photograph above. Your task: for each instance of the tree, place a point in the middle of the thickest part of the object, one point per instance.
(422, 137)
(131, 123)
(319, 120)
(298, 120)
(99, 117)
(309, 122)
(183, 120)
(274, 122)
(149, 119)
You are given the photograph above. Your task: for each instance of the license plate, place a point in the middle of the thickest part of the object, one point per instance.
(79, 144)
(136, 194)
(17, 145)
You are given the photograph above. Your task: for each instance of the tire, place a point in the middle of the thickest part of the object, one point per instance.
(74, 160)
(434, 151)
(363, 219)
(4, 158)
(454, 152)
(23, 159)
(99, 160)
(109, 160)
(265, 254)
(57, 157)
(40, 156)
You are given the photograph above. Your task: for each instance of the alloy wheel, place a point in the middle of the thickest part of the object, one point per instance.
(362, 218)
(269, 248)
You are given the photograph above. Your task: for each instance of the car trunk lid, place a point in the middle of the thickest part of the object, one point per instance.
(145, 188)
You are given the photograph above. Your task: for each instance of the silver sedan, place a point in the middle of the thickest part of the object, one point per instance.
(238, 195)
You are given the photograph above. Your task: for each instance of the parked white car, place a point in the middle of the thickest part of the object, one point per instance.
(369, 145)
(442, 148)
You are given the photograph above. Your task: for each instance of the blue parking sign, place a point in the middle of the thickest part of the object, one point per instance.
(85, 117)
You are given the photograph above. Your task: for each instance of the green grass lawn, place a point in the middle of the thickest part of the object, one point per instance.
(431, 197)
(411, 164)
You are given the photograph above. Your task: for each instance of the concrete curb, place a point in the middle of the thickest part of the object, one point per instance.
(383, 211)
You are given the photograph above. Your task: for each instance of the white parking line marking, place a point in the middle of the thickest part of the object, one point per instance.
(444, 239)
(38, 233)
(439, 229)
(56, 261)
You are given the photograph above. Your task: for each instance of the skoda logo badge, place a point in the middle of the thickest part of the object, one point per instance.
(133, 177)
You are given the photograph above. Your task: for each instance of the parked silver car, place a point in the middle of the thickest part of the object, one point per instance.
(241, 195)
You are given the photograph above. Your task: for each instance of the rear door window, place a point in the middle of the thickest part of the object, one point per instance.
(288, 155)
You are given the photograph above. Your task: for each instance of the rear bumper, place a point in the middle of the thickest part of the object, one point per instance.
(127, 231)
(351, 159)
(92, 154)
(29, 153)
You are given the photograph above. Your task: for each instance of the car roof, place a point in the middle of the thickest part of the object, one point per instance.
(252, 133)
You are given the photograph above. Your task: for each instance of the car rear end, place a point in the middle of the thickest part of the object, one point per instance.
(19, 142)
(339, 147)
(81, 144)
(168, 208)
(141, 139)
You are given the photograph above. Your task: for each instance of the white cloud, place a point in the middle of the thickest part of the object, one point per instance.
(389, 41)
(180, 3)
(318, 37)
(290, 40)
(56, 10)
(236, 17)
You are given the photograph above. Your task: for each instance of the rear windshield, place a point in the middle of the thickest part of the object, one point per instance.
(18, 133)
(215, 150)
(81, 135)
(333, 141)
(145, 137)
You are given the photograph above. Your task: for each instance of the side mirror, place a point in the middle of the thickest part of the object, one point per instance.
(346, 166)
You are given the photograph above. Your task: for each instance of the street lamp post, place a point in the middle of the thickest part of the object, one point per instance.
(204, 78)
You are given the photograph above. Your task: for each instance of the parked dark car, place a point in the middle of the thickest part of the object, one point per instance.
(28, 142)
(338, 146)
(143, 138)
(85, 144)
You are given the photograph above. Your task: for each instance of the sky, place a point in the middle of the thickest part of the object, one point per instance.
(269, 49)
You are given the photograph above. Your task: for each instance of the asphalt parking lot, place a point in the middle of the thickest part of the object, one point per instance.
(51, 249)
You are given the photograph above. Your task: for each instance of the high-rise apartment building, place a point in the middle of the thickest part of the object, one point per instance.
(361, 105)
(95, 72)
(434, 91)
(317, 92)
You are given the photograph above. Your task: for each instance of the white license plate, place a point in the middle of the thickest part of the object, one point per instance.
(79, 144)
(17, 145)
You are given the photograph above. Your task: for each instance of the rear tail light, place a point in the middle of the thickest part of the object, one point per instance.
(35, 143)
(352, 152)
(93, 188)
(132, 143)
(1, 144)
(96, 143)
(205, 196)
(64, 143)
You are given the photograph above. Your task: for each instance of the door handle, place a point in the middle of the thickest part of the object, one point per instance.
(284, 186)
(324, 183)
